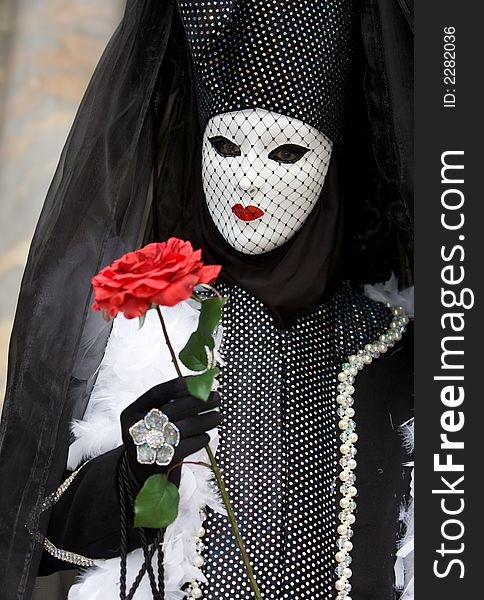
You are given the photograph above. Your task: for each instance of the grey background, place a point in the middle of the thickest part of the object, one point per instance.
(48, 50)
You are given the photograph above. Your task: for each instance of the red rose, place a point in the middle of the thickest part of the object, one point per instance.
(160, 273)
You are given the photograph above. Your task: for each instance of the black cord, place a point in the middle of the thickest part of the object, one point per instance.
(158, 592)
(124, 539)
(148, 554)
(161, 570)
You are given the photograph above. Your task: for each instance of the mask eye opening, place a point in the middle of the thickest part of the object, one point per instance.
(224, 147)
(288, 153)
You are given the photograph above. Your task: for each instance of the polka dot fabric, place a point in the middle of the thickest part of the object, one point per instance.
(279, 445)
(291, 57)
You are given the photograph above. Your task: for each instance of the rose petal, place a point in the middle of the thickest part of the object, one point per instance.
(209, 273)
(135, 308)
(177, 292)
(162, 273)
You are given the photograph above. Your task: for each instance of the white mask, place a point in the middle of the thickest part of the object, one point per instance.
(263, 174)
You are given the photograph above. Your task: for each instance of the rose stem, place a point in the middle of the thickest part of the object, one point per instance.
(233, 522)
(220, 482)
(199, 463)
(170, 347)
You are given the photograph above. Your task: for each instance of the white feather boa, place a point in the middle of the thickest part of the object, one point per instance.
(389, 292)
(135, 360)
(404, 564)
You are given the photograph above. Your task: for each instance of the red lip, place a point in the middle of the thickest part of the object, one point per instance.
(249, 213)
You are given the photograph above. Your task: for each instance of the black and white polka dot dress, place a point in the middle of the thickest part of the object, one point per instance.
(279, 444)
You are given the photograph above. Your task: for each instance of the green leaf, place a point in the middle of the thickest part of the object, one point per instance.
(210, 316)
(194, 354)
(200, 386)
(156, 505)
(141, 320)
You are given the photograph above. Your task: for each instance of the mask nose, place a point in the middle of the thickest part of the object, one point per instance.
(249, 180)
(246, 184)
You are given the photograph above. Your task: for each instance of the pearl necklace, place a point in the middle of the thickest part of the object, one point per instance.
(194, 591)
(349, 437)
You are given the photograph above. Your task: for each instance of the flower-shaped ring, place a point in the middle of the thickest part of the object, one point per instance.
(156, 438)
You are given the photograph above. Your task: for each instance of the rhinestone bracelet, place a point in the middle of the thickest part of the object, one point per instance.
(49, 547)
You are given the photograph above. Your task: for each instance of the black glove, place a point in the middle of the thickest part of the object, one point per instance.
(182, 409)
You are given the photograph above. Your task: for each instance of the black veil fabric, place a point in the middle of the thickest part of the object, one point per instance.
(96, 209)
(138, 112)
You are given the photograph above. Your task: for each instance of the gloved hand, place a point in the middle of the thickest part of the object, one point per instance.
(182, 409)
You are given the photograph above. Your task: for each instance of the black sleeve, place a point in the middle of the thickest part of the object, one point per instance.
(383, 401)
(86, 519)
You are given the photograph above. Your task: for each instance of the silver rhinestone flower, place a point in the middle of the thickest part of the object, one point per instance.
(156, 438)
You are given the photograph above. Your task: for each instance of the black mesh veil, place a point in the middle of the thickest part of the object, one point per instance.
(96, 207)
